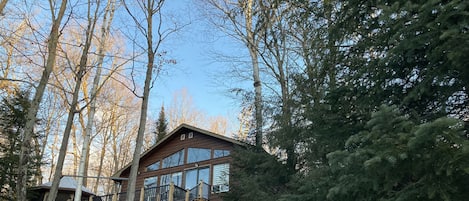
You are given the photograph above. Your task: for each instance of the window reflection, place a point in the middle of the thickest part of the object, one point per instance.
(218, 153)
(174, 160)
(174, 177)
(194, 176)
(197, 154)
(154, 166)
(221, 178)
(150, 182)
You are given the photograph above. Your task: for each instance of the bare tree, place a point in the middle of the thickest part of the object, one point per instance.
(32, 112)
(150, 8)
(10, 44)
(218, 124)
(82, 69)
(244, 21)
(108, 17)
(182, 110)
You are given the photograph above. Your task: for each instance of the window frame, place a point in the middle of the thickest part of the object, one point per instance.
(179, 162)
(222, 186)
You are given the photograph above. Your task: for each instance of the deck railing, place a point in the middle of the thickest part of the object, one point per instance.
(169, 192)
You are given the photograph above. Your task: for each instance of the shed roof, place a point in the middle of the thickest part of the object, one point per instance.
(66, 184)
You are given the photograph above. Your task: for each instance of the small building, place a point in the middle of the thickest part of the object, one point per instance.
(195, 161)
(66, 192)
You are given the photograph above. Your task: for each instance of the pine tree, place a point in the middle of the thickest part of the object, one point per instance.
(161, 125)
(12, 121)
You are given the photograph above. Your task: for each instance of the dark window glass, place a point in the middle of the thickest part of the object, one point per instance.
(174, 160)
(220, 153)
(154, 166)
(150, 182)
(197, 154)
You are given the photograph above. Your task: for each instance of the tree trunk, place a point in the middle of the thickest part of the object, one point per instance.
(73, 107)
(94, 93)
(32, 112)
(252, 44)
(3, 3)
(150, 11)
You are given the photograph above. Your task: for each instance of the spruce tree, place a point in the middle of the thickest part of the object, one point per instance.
(13, 112)
(395, 158)
(161, 125)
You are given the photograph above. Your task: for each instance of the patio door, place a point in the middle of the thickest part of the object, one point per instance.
(193, 176)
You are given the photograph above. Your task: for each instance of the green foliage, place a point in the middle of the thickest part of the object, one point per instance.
(400, 53)
(12, 121)
(395, 159)
(256, 175)
(359, 55)
(161, 125)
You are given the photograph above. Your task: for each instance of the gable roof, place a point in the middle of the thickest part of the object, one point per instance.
(176, 131)
(66, 184)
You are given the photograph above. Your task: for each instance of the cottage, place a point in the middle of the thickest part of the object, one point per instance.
(65, 192)
(195, 161)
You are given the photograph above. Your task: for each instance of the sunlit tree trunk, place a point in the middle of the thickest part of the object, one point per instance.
(149, 9)
(31, 116)
(94, 92)
(3, 3)
(82, 69)
(247, 26)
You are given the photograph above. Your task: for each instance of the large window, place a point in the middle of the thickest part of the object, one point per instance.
(217, 153)
(174, 160)
(150, 182)
(154, 166)
(221, 178)
(174, 177)
(197, 154)
(194, 176)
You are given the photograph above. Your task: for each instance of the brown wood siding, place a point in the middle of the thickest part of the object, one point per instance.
(173, 145)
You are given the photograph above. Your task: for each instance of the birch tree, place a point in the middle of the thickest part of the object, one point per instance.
(242, 20)
(32, 112)
(108, 17)
(81, 71)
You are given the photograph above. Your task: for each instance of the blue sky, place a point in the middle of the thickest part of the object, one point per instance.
(196, 69)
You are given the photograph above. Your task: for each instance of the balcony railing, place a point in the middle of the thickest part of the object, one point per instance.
(169, 192)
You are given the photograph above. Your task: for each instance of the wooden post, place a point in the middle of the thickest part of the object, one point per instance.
(114, 196)
(116, 190)
(188, 193)
(46, 195)
(171, 192)
(201, 188)
(158, 195)
(91, 198)
(142, 194)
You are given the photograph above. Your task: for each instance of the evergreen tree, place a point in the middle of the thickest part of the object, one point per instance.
(257, 175)
(161, 125)
(406, 53)
(12, 121)
(397, 159)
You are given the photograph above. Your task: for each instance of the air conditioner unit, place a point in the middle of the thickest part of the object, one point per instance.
(220, 188)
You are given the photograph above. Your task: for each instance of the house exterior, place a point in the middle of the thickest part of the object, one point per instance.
(192, 159)
(66, 191)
